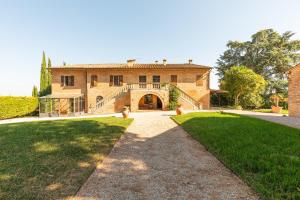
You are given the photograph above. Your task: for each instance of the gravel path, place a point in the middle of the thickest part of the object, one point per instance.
(156, 159)
(273, 117)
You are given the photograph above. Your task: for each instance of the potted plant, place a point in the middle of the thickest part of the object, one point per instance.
(179, 109)
(276, 98)
(125, 112)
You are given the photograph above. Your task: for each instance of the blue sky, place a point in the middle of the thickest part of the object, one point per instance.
(113, 31)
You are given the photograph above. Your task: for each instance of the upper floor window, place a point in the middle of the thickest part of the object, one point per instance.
(94, 80)
(142, 79)
(199, 80)
(174, 79)
(67, 81)
(156, 79)
(115, 80)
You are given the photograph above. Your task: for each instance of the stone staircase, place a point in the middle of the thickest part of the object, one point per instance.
(148, 86)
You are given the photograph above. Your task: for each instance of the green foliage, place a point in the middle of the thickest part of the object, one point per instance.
(173, 98)
(49, 77)
(43, 77)
(268, 54)
(244, 86)
(34, 91)
(36, 156)
(264, 154)
(17, 106)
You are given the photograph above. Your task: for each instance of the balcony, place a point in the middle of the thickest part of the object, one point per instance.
(148, 86)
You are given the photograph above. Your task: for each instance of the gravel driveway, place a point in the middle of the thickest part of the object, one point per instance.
(156, 159)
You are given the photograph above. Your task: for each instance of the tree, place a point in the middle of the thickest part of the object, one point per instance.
(49, 77)
(43, 76)
(267, 53)
(243, 85)
(34, 91)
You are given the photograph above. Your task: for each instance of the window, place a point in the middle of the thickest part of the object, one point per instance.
(94, 80)
(199, 80)
(156, 79)
(174, 79)
(142, 79)
(67, 81)
(116, 80)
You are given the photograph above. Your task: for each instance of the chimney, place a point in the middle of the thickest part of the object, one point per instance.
(164, 61)
(131, 62)
(190, 61)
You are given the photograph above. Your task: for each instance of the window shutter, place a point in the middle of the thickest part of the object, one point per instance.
(72, 80)
(121, 80)
(111, 79)
(62, 81)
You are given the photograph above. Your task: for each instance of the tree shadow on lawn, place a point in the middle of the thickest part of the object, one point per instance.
(52, 159)
(265, 154)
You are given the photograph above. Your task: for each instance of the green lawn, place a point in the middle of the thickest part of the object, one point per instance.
(285, 112)
(52, 159)
(264, 154)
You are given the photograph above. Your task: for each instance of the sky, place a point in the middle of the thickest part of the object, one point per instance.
(81, 32)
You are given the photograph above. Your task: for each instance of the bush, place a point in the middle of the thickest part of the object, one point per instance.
(173, 98)
(173, 105)
(11, 107)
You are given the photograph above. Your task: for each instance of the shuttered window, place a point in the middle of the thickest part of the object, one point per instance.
(156, 79)
(115, 80)
(94, 80)
(174, 79)
(67, 81)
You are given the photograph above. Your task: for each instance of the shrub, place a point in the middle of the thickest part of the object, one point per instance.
(17, 106)
(173, 98)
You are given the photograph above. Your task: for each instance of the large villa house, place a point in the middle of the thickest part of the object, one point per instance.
(294, 91)
(107, 88)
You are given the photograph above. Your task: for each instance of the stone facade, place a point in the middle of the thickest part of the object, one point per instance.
(186, 81)
(294, 91)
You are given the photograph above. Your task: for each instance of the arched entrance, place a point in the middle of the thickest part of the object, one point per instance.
(150, 102)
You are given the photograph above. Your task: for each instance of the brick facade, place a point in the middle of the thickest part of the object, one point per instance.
(294, 91)
(186, 81)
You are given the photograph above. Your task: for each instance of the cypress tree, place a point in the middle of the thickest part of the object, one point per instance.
(43, 76)
(34, 91)
(49, 77)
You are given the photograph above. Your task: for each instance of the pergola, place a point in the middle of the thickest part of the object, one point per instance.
(61, 105)
(218, 93)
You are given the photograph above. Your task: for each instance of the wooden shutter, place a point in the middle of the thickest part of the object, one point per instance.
(111, 80)
(121, 80)
(62, 81)
(174, 79)
(71, 80)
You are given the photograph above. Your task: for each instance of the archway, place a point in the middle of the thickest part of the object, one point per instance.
(150, 102)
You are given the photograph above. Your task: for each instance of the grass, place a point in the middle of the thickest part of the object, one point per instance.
(285, 112)
(52, 159)
(264, 154)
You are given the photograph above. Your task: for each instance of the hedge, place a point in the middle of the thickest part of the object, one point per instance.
(11, 106)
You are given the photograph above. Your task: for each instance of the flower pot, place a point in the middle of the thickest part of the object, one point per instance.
(125, 113)
(179, 110)
(276, 109)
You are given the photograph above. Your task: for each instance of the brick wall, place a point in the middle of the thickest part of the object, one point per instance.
(294, 92)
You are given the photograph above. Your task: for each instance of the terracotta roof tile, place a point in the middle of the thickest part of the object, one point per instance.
(134, 66)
